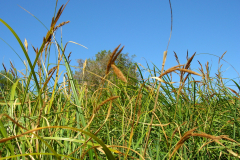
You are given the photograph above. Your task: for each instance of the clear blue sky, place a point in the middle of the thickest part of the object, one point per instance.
(143, 26)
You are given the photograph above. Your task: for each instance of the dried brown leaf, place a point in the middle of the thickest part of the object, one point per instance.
(233, 91)
(182, 140)
(107, 100)
(179, 69)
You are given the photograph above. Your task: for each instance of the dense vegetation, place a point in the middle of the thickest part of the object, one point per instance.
(127, 118)
(90, 71)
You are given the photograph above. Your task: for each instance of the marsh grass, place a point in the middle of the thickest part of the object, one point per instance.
(156, 118)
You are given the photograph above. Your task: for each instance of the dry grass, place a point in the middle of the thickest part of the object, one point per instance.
(145, 120)
(119, 73)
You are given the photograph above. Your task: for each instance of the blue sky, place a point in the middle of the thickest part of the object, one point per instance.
(200, 26)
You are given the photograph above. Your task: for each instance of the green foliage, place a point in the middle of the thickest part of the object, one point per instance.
(96, 68)
(6, 81)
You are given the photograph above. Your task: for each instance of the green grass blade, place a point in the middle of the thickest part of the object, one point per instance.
(73, 86)
(28, 59)
(4, 134)
(12, 95)
(236, 84)
(33, 154)
(105, 148)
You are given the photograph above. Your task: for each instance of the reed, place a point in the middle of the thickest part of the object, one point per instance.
(155, 118)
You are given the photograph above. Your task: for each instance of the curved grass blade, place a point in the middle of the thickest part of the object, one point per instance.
(105, 148)
(28, 59)
(78, 141)
(4, 134)
(31, 131)
(12, 49)
(236, 84)
(12, 94)
(70, 75)
(33, 154)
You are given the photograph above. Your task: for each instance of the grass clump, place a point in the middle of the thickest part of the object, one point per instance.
(42, 118)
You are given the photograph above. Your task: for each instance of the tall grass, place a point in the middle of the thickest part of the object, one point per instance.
(155, 118)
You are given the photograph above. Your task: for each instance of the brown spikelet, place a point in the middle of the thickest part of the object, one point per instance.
(207, 69)
(223, 54)
(189, 61)
(12, 65)
(52, 70)
(61, 24)
(59, 13)
(54, 20)
(4, 67)
(216, 139)
(12, 72)
(220, 67)
(69, 56)
(179, 69)
(164, 60)
(38, 61)
(187, 65)
(46, 47)
(65, 46)
(186, 78)
(50, 73)
(206, 65)
(115, 57)
(48, 37)
(193, 79)
(201, 69)
(175, 54)
(119, 73)
(13, 69)
(35, 50)
(84, 66)
(110, 59)
(44, 40)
